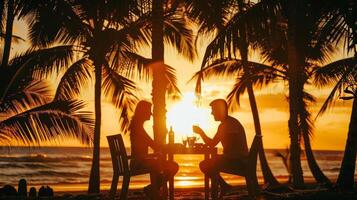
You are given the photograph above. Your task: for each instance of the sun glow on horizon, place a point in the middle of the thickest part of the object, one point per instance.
(182, 115)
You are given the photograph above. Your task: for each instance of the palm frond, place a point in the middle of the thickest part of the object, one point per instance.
(132, 65)
(131, 35)
(14, 38)
(229, 39)
(53, 21)
(44, 123)
(209, 14)
(42, 61)
(218, 67)
(261, 74)
(73, 79)
(114, 11)
(233, 97)
(341, 72)
(332, 72)
(117, 87)
(121, 92)
(222, 67)
(172, 87)
(34, 94)
(178, 34)
(338, 24)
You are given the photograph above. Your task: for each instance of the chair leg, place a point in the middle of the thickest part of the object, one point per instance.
(124, 188)
(214, 186)
(113, 187)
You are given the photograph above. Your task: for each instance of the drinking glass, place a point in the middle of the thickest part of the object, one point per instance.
(184, 141)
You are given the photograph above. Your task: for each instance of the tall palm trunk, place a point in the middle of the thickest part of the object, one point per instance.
(305, 126)
(8, 34)
(294, 132)
(345, 179)
(295, 86)
(267, 173)
(159, 82)
(94, 179)
(314, 167)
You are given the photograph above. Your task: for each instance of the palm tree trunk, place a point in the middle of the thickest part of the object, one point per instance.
(159, 83)
(267, 173)
(94, 179)
(305, 128)
(8, 34)
(345, 179)
(295, 88)
(314, 167)
(294, 132)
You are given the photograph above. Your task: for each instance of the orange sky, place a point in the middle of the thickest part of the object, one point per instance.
(330, 129)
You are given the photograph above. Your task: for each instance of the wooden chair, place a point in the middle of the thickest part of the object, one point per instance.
(249, 171)
(121, 167)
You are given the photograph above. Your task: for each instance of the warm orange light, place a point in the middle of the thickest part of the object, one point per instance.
(182, 115)
(185, 182)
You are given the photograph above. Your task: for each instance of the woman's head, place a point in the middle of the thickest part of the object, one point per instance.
(143, 110)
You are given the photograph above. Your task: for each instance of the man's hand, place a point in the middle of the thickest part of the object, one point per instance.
(197, 129)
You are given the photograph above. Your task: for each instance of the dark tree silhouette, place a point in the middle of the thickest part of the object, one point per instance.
(218, 16)
(344, 74)
(27, 113)
(101, 32)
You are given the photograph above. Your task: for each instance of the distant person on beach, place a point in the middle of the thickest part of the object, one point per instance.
(232, 136)
(140, 141)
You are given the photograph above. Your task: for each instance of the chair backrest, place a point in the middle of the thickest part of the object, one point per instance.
(118, 154)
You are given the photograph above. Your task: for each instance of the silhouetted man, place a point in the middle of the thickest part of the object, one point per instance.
(232, 136)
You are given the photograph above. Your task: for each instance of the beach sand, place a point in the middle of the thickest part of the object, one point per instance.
(312, 192)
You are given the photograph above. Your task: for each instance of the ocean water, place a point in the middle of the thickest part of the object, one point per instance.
(68, 168)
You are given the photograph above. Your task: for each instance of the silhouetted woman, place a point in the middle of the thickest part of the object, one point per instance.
(140, 141)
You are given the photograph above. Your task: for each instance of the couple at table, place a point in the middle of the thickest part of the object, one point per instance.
(230, 133)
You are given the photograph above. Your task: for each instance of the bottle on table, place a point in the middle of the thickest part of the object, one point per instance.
(171, 136)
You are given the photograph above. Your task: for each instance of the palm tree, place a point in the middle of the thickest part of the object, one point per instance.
(286, 32)
(209, 18)
(159, 82)
(107, 34)
(101, 31)
(168, 26)
(344, 74)
(339, 27)
(27, 113)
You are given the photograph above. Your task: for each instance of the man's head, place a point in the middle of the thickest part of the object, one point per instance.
(143, 110)
(219, 109)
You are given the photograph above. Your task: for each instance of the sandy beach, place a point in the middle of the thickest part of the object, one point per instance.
(311, 192)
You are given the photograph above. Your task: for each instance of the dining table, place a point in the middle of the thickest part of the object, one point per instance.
(200, 149)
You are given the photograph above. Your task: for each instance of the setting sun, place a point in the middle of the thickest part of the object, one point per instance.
(182, 115)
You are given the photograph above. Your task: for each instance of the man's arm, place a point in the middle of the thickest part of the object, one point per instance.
(210, 142)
